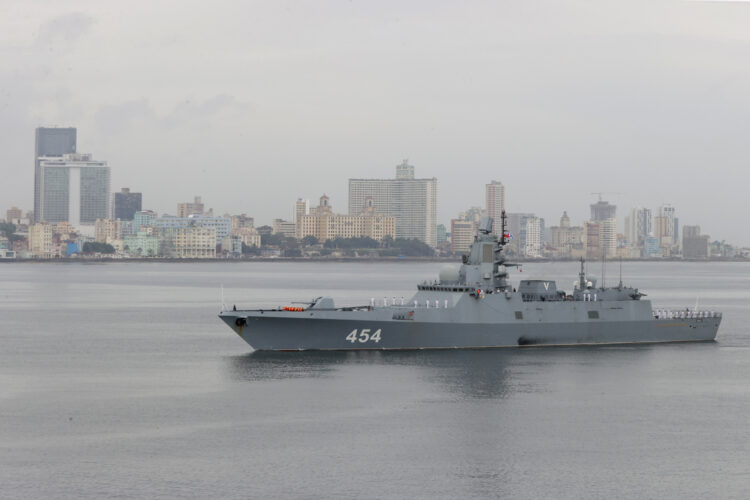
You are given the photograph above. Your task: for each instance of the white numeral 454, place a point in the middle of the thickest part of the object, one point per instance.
(363, 336)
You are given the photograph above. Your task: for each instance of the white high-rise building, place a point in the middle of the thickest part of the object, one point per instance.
(638, 225)
(73, 188)
(533, 243)
(608, 236)
(412, 202)
(495, 202)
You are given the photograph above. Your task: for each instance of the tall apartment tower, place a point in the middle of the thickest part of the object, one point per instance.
(126, 204)
(495, 197)
(638, 225)
(602, 210)
(49, 142)
(73, 188)
(413, 202)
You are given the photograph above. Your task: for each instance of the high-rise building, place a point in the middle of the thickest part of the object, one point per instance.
(462, 235)
(608, 237)
(40, 240)
(495, 202)
(694, 244)
(107, 230)
(187, 209)
(591, 234)
(73, 188)
(49, 142)
(638, 225)
(412, 202)
(516, 226)
(126, 204)
(664, 228)
(602, 210)
(533, 240)
(404, 170)
(302, 207)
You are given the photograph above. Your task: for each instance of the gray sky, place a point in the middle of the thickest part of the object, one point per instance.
(253, 104)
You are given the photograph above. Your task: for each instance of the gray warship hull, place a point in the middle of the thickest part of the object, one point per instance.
(483, 324)
(475, 307)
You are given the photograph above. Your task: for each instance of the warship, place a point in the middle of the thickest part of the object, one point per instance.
(475, 306)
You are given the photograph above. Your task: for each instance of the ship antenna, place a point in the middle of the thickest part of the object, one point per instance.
(620, 285)
(222, 297)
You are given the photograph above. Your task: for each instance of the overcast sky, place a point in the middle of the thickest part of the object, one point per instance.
(253, 104)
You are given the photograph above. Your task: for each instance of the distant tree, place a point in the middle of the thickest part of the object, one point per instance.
(387, 241)
(309, 240)
(97, 247)
(292, 252)
(9, 229)
(250, 250)
(409, 247)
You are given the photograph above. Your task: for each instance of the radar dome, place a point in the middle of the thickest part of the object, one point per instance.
(448, 273)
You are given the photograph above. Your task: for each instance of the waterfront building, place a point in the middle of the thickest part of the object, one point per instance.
(694, 244)
(126, 204)
(187, 209)
(324, 224)
(40, 240)
(651, 247)
(232, 245)
(143, 218)
(106, 230)
(222, 226)
(249, 236)
(495, 202)
(462, 235)
(142, 244)
(195, 242)
(287, 228)
(49, 142)
(73, 188)
(412, 202)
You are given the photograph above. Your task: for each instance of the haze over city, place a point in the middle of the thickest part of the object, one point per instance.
(254, 105)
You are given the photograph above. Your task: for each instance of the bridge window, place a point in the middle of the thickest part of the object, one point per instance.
(593, 314)
(519, 314)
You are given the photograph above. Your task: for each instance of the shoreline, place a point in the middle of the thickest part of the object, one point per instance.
(448, 260)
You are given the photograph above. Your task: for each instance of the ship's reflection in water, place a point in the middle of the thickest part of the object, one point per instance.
(469, 373)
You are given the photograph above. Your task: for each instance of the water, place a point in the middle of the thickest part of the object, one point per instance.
(118, 381)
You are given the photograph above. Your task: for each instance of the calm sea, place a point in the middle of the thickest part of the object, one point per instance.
(117, 380)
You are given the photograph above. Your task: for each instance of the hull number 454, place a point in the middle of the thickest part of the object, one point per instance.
(363, 336)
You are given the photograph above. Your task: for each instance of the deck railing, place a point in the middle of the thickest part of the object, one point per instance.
(684, 314)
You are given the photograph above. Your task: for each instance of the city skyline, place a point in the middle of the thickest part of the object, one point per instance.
(555, 100)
